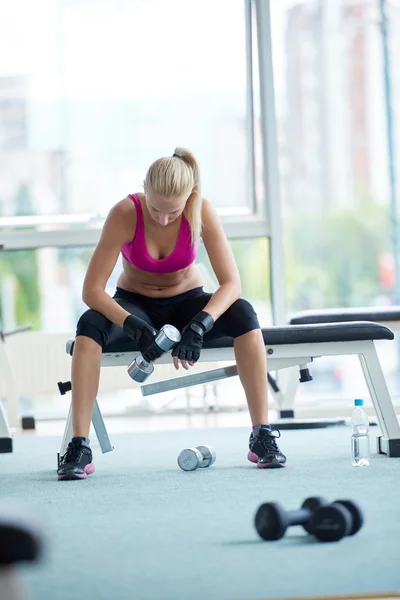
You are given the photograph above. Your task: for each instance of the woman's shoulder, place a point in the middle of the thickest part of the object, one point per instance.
(208, 212)
(126, 206)
(123, 213)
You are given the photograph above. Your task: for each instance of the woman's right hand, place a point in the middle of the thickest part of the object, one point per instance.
(144, 335)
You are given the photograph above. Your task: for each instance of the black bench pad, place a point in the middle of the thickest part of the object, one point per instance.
(340, 315)
(288, 334)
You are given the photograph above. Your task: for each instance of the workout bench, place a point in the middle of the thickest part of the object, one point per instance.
(386, 315)
(287, 346)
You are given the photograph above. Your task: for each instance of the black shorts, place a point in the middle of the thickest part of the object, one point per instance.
(178, 311)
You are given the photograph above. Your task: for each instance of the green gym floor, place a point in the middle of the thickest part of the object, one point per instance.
(140, 528)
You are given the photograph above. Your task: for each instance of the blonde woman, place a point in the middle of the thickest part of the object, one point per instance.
(158, 234)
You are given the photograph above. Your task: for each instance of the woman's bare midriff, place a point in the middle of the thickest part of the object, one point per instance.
(159, 285)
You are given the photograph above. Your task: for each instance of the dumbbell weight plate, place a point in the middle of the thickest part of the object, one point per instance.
(355, 511)
(139, 370)
(189, 459)
(167, 335)
(331, 523)
(312, 504)
(270, 521)
(208, 454)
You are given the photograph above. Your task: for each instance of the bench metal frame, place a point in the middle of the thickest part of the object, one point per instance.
(285, 398)
(5, 433)
(13, 396)
(278, 357)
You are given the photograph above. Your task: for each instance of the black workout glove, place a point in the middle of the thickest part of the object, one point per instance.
(192, 337)
(144, 335)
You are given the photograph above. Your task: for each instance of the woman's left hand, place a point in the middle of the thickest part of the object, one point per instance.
(188, 349)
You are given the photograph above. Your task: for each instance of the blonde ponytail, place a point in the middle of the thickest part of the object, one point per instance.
(178, 175)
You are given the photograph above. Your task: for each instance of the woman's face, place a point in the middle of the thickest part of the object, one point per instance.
(165, 209)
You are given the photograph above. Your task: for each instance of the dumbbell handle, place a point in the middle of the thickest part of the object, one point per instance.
(140, 369)
(298, 517)
(165, 339)
(205, 461)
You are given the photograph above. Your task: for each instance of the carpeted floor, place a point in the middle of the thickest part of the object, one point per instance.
(140, 528)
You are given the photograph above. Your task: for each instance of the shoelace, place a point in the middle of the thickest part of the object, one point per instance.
(269, 441)
(73, 453)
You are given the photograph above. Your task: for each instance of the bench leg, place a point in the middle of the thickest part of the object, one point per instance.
(5, 434)
(13, 410)
(99, 427)
(67, 433)
(389, 441)
(292, 384)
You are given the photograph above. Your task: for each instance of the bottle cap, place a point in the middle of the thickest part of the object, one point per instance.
(358, 402)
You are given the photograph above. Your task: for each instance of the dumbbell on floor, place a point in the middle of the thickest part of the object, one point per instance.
(200, 457)
(20, 541)
(272, 519)
(333, 522)
(140, 369)
(328, 522)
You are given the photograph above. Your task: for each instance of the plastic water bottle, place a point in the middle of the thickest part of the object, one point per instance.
(359, 436)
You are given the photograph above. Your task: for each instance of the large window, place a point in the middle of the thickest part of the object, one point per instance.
(44, 287)
(333, 152)
(89, 97)
(91, 92)
(334, 163)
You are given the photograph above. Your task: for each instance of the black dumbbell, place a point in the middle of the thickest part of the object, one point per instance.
(272, 519)
(328, 522)
(332, 522)
(20, 541)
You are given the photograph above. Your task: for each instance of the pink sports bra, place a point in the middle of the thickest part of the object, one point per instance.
(135, 251)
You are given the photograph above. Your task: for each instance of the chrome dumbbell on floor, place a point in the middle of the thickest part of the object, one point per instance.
(140, 369)
(200, 457)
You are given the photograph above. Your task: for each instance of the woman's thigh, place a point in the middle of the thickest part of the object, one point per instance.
(240, 318)
(187, 308)
(237, 320)
(96, 326)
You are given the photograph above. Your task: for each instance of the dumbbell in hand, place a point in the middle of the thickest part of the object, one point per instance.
(200, 457)
(327, 522)
(141, 367)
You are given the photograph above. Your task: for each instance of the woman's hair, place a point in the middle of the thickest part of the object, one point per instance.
(178, 175)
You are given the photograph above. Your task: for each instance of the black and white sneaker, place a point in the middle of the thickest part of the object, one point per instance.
(264, 450)
(76, 463)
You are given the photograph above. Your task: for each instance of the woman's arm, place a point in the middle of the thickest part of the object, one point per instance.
(222, 261)
(118, 228)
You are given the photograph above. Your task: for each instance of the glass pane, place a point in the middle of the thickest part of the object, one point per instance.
(96, 91)
(253, 261)
(334, 166)
(44, 287)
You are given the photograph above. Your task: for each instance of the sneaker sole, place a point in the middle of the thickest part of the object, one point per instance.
(70, 475)
(273, 465)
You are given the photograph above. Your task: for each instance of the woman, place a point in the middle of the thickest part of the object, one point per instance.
(158, 234)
